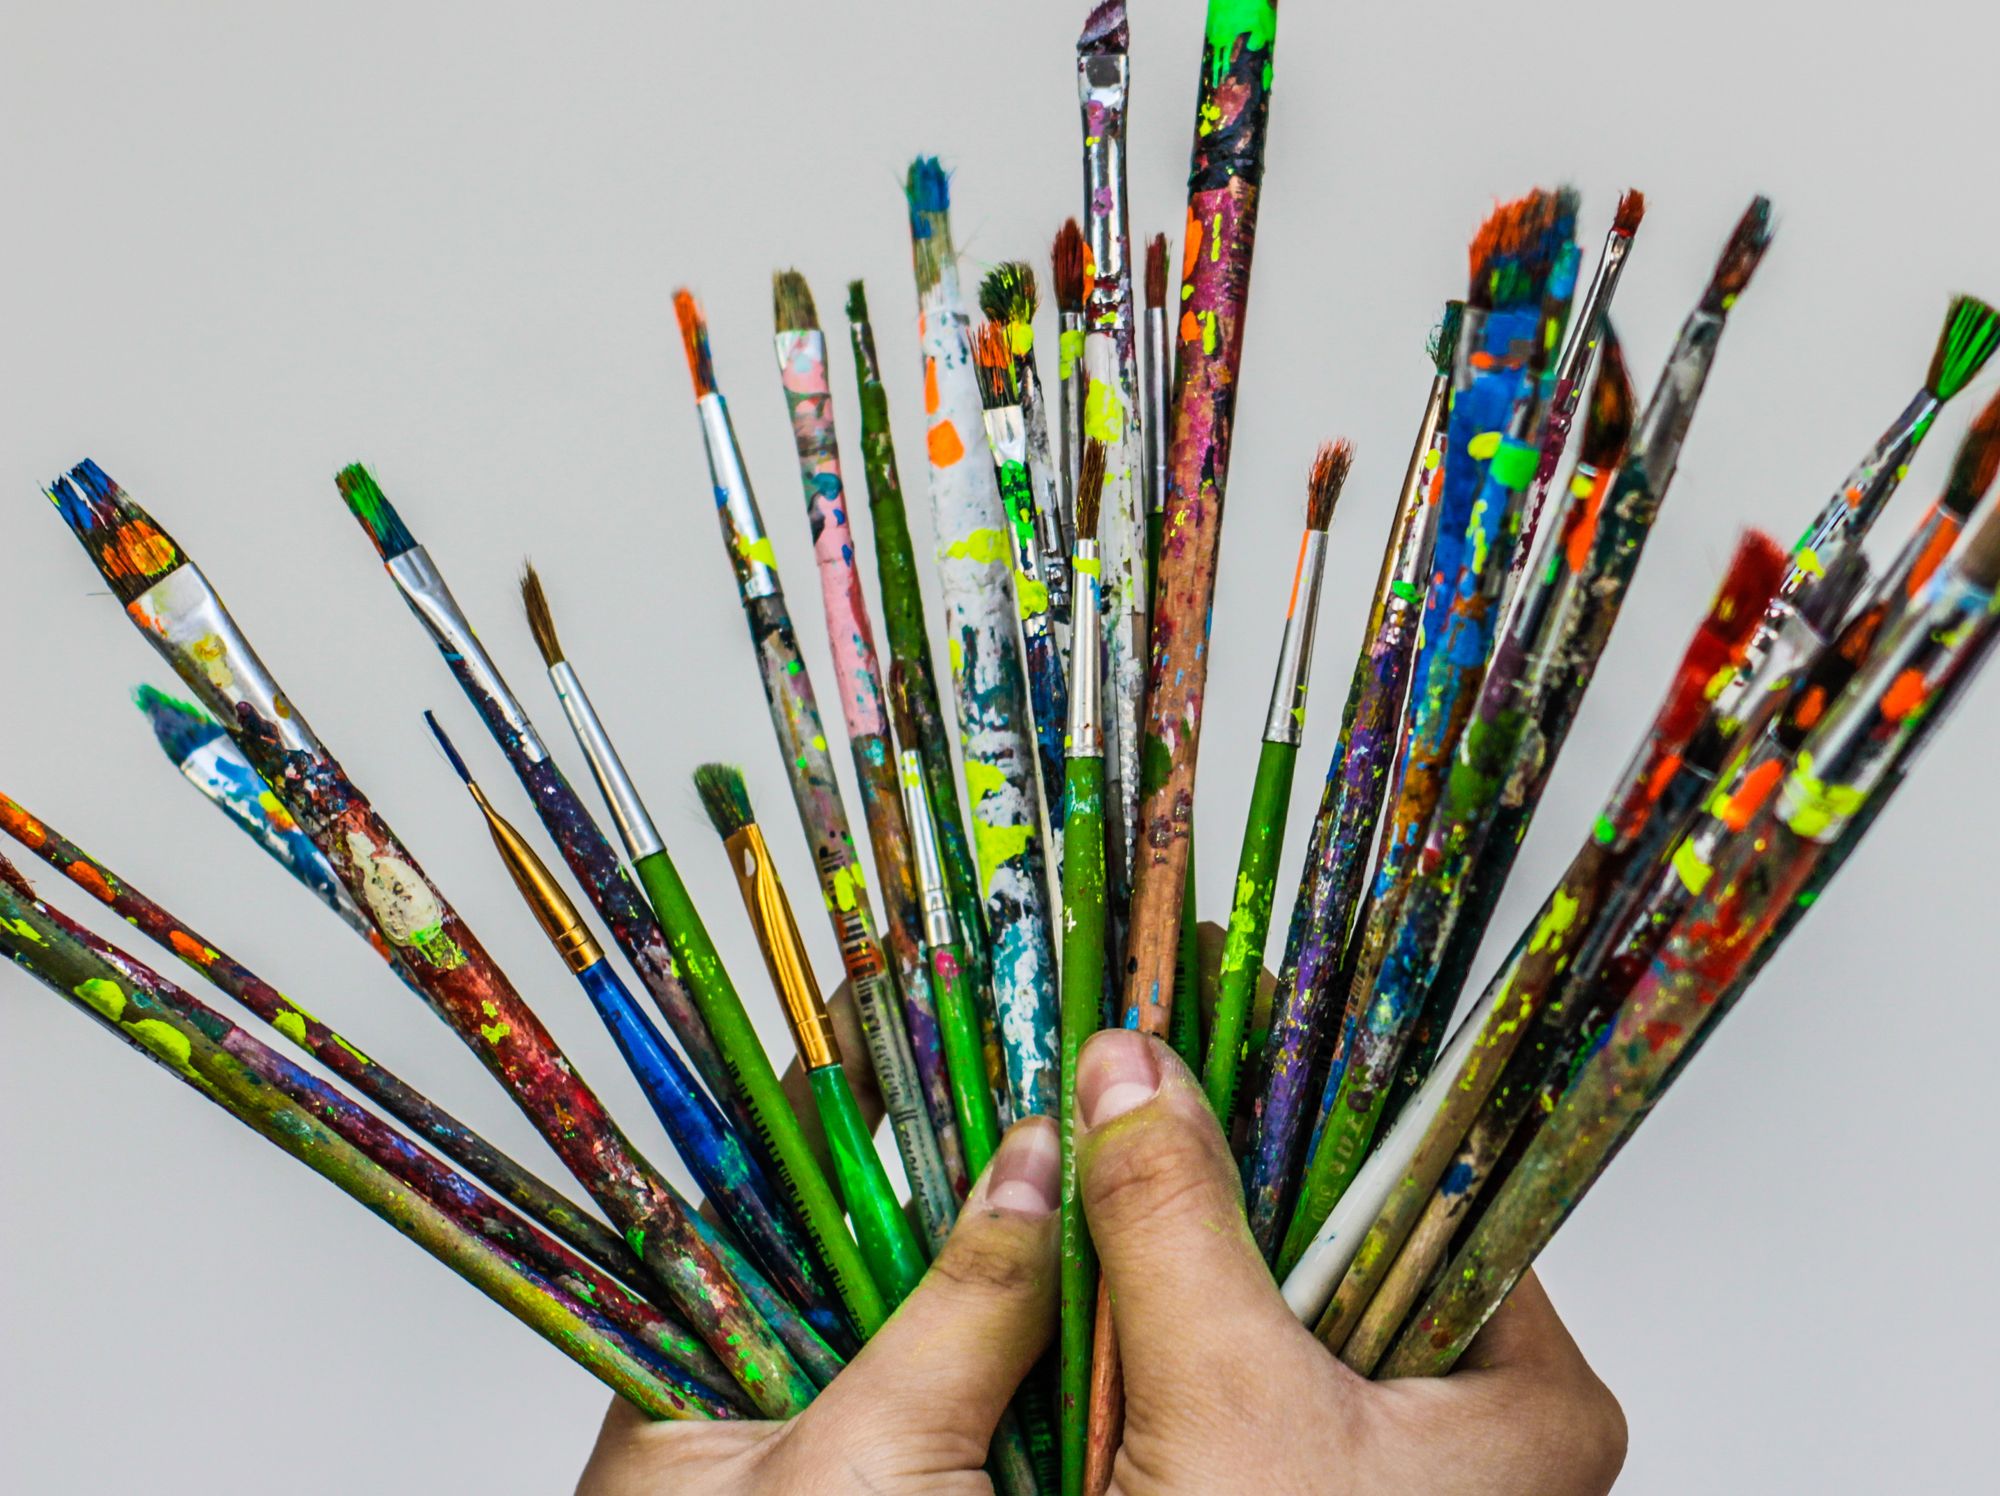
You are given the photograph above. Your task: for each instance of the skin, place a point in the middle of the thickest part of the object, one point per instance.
(1225, 1389)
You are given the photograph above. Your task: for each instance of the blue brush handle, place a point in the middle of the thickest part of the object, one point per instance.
(714, 1154)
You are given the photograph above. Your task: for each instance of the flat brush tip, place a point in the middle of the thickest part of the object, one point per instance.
(130, 551)
(694, 341)
(1631, 209)
(1106, 31)
(1740, 256)
(1066, 265)
(928, 186)
(366, 501)
(725, 797)
(541, 622)
(792, 303)
(1971, 333)
(1156, 271)
(1089, 487)
(450, 751)
(179, 726)
(1329, 473)
(857, 301)
(993, 366)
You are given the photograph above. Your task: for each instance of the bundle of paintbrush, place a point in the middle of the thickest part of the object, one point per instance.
(1399, 1173)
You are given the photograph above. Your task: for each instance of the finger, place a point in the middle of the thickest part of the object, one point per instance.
(948, 1360)
(1525, 1334)
(1166, 1212)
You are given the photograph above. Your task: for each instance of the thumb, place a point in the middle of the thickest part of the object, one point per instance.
(939, 1374)
(1189, 1290)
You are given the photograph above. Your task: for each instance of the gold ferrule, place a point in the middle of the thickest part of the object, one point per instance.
(551, 907)
(784, 950)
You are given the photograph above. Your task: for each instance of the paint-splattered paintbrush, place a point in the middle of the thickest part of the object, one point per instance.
(1343, 831)
(993, 725)
(891, 1247)
(1156, 370)
(176, 610)
(725, 1170)
(1041, 655)
(318, 1126)
(795, 1166)
(1271, 789)
(802, 745)
(1009, 297)
(1066, 268)
(802, 367)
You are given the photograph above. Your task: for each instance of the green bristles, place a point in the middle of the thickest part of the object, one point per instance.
(377, 515)
(1443, 347)
(724, 797)
(857, 302)
(1971, 334)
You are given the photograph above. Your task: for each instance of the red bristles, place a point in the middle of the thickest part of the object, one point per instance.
(1066, 264)
(1753, 578)
(1156, 271)
(694, 338)
(1631, 209)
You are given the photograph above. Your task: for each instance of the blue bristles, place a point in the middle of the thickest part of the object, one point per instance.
(450, 752)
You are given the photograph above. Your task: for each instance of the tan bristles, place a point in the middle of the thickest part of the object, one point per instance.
(541, 622)
(792, 303)
(1089, 487)
(1329, 472)
(1631, 209)
(1156, 271)
(1066, 266)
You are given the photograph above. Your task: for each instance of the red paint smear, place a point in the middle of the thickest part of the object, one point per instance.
(1751, 794)
(1659, 1034)
(20, 825)
(89, 878)
(190, 950)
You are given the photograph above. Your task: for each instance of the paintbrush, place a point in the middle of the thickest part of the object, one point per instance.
(588, 855)
(1271, 789)
(1066, 268)
(993, 720)
(1082, 956)
(727, 1173)
(321, 1128)
(1157, 371)
(887, 1240)
(795, 1166)
(1343, 830)
(802, 368)
(912, 676)
(176, 610)
(1009, 297)
(1048, 695)
(802, 745)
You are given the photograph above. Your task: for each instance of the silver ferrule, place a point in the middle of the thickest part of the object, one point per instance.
(1153, 413)
(1042, 479)
(628, 812)
(1007, 435)
(1285, 721)
(1103, 86)
(1587, 328)
(735, 504)
(188, 624)
(423, 588)
(1086, 653)
(940, 928)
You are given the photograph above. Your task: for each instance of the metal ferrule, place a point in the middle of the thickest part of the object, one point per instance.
(1846, 519)
(735, 504)
(1586, 329)
(1086, 654)
(1663, 425)
(1285, 721)
(545, 898)
(784, 951)
(1153, 369)
(185, 615)
(1104, 81)
(628, 812)
(940, 928)
(1006, 434)
(1043, 483)
(423, 588)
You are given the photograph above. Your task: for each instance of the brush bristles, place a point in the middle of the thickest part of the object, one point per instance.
(1106, 32)
(1979, 563)
(1754, 576)
(1443, 342)
(367, 503)
(993, 364)
(1066, 266)
(1740, 256)
(792, 303)
(129, 550)
(541, 622)
(1089, 487)
(1608, 428)
(1631, 210)
(450, 750)
(694, 341)
(1156, 271)
(1008, 294)
(1976, 464)
(927, 189)
(180, 726)
(1511, 255)
(1971, 333)
(857, 302)
(724, 797)
(1329, 472)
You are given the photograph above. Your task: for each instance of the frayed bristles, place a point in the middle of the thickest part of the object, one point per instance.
(1156, 271)
(1442, 344)
(1971, 333)
(993, 364)
(1066, 266)
(1755, 573)
(694, 341)
(928, 191)
(1607, 430)
(1009, 295)
(541, 622)
(1106, 32)
(1515, 248)
(1977, 463)
(367, 503)
(129, 550)
(857, 302)
(1329, 473)
(792, 306)
(180, 726)
(1740, 256)
(1631, 210)
(450, 750)
(725, 798)
(1089, 487)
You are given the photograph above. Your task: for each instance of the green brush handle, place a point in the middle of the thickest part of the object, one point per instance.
(1082, 995)
(1343, 1146)
(888, 1240)
(1249, 924)
(784, 1140)
(964, 1056)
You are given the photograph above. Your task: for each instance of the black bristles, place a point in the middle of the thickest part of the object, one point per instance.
(724, 797)
(792, 303)
(378, 516)
(1740, 257)
(1008, 293)
(450, 752)
(1090, 487)
(1329, 473)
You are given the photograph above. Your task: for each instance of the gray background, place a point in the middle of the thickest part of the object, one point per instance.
(247, 244)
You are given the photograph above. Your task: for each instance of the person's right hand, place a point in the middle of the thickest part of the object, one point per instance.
(1226, 1390)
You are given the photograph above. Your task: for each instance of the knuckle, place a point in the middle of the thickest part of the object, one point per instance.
(1155, 1176)
(984, 1264)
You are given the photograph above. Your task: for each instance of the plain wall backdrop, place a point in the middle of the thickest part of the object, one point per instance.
(249, 243)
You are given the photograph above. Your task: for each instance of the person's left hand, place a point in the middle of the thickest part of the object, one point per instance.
(916, 1409)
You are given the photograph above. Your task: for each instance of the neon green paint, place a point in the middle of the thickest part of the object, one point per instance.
(997, 846)
(106, 996)
(291, 1023)
(1104, 413)
(983, 546)
(166, 1041)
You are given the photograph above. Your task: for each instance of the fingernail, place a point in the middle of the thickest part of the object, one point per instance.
(1026, 1173)
(1117, 1071)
